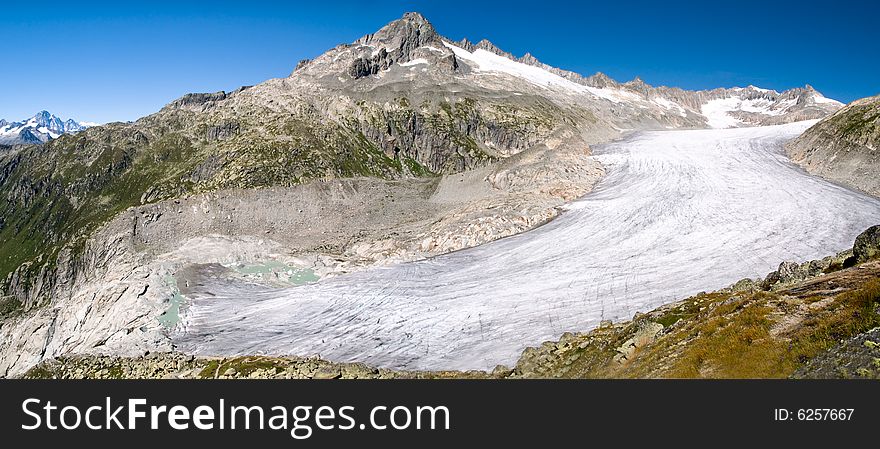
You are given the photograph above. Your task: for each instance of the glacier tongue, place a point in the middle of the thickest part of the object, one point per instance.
(679, 212)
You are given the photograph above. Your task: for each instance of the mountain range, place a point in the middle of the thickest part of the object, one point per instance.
(40, 128)
(408, 135)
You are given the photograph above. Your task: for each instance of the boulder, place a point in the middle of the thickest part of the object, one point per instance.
(867, 245)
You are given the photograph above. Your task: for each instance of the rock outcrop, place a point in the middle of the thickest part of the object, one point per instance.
(867, 246)
(857, 357)
(844, 147)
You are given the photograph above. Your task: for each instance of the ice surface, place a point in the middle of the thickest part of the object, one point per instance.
(679, 212)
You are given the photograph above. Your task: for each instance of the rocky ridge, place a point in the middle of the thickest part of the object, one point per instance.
(844, 146)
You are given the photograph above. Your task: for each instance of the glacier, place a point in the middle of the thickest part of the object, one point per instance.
(678, 212)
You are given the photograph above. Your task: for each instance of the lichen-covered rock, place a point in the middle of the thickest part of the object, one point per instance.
(867, 245)
(858, 357)
(646, 333)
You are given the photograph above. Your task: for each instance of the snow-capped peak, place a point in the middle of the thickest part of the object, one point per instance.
(40, 128)
(410, 50)
(751, 105)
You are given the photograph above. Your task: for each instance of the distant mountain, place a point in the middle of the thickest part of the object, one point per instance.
(40, 128)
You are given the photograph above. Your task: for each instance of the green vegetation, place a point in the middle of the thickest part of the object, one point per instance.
(850, 314)
(9, 307)
(54, 368)
(54, 196)
(859, 120)
(242, 366)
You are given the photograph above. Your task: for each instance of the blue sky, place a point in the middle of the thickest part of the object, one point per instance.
(107, 61)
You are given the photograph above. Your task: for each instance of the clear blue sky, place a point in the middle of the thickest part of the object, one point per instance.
(107, 61)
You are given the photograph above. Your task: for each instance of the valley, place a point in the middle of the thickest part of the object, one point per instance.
(406, 205)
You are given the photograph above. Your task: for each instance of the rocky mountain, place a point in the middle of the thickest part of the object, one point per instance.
(844, 147)
(454, 143)
(40, 128)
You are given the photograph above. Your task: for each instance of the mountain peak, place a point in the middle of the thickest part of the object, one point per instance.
(412, 28)
(529, 59)
(600, 80)
(637, 81)
(413, 16)
(395, 43)
(41, 127)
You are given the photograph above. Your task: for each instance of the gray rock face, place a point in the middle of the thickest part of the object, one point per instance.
(364, 66)
(197, 99)
(792, 272)
(844, 147)
(223, 131)
(399, 41)
(858, 357)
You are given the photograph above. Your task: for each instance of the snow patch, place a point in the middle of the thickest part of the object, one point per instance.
(819, 98)
(485, 61)
(716, 112)
(414, 62)
(670, 105)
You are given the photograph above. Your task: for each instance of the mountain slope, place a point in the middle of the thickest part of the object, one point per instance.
(468, 143)
(844, 147)
(40, 128)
